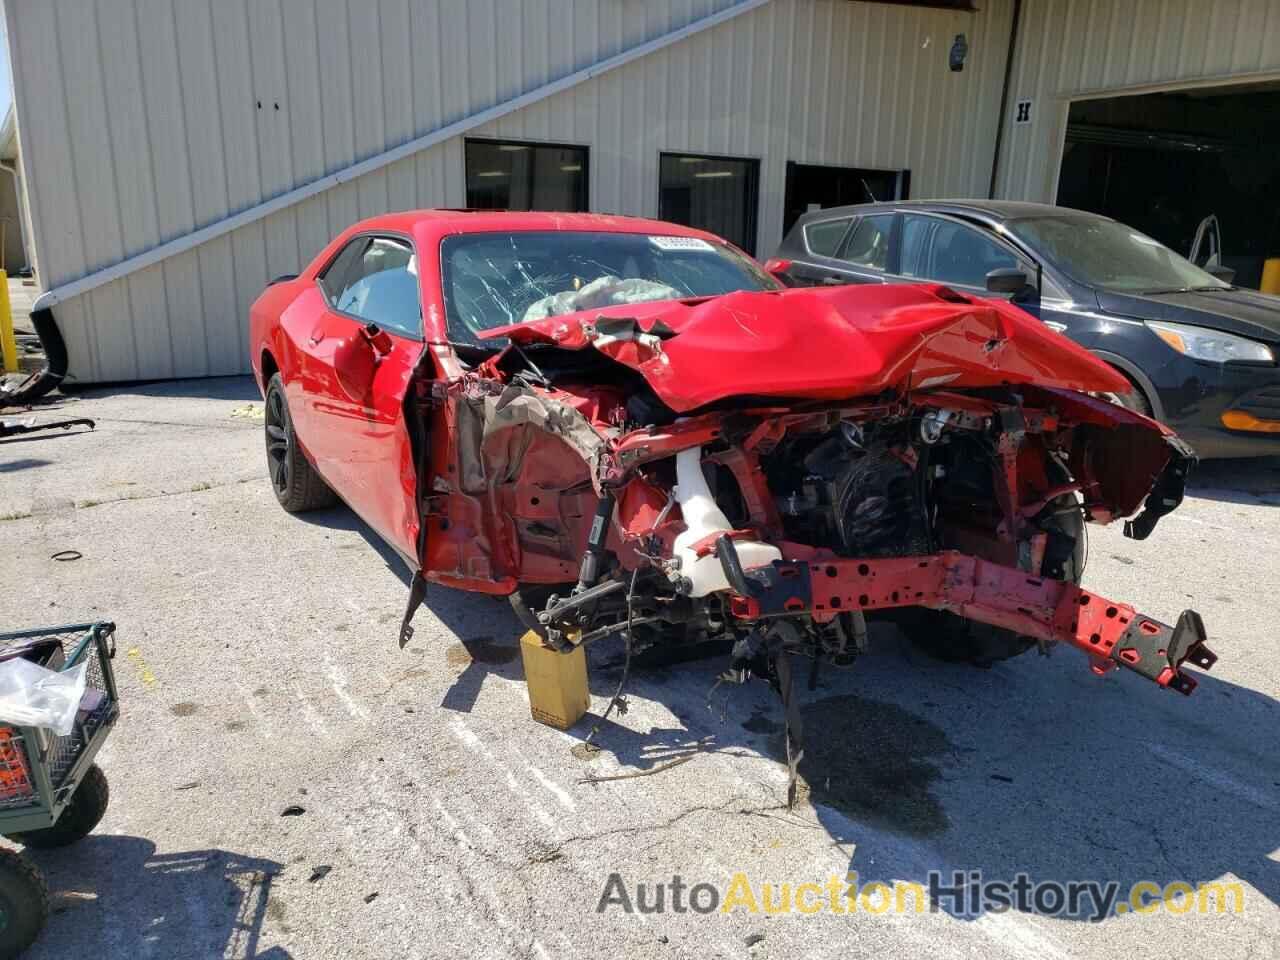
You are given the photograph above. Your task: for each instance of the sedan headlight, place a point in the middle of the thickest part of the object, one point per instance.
(1212, 345)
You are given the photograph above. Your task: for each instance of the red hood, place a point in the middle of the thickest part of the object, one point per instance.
(825, 344)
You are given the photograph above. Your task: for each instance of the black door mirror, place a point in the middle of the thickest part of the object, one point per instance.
(1225, 274)
(1006, 280)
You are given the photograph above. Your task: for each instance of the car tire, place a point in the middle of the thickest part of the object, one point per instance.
(24, 903)
(85, 811)
(1134, 400)
(948, 637)
(294, 480)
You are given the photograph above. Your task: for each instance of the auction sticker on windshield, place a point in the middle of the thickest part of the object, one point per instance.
(682, 243)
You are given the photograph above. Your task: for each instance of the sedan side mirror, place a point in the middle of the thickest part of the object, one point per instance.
(356, 360)
(1006, 280)
(1225, 274)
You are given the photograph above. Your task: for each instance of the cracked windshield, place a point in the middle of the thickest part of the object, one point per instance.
(496, 279)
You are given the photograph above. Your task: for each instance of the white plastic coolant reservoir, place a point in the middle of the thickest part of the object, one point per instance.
(703, 518)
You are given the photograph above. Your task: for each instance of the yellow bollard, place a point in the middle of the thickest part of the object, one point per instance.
(1271, 275)
(8, 345)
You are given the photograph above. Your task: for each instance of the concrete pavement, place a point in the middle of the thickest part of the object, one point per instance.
(259, 671)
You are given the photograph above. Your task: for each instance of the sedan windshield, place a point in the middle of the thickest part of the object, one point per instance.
(496, 279)
(1106, 254)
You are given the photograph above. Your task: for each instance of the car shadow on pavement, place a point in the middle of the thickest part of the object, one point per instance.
(342, 517)
(26, 463)
(1033, 767)
(116, 896)
(1248, 481)
(1036, 767)
(211, 388)
(488, 632)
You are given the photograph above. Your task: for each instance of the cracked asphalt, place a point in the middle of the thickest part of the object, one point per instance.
(432, 817)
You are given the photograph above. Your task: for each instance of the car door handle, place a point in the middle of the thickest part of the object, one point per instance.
(835, 281)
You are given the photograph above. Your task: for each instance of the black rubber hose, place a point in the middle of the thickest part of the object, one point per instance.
(50, 375)
(731, 566)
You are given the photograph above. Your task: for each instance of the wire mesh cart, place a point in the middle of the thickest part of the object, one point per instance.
(52, 794)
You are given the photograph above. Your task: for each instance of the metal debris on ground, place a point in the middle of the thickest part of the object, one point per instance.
(11, 428)
(660, 768)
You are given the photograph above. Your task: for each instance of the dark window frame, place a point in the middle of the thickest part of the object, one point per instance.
(366, 237)
(752, 228)
(532, 145)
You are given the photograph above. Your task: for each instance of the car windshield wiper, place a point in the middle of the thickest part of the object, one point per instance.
(1204, 289)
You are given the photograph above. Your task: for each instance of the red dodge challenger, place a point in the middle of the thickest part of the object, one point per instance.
(631, 429)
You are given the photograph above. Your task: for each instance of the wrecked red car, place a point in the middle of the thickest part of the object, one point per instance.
(631, 429)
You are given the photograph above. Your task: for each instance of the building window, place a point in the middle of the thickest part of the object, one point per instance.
(526, 176)
(816, 187)
(718, 194)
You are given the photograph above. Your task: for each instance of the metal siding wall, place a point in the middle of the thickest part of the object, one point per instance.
(815, 81)
(1074, 48)
(140, 122)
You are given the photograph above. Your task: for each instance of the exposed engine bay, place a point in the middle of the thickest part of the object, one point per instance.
(614, 487)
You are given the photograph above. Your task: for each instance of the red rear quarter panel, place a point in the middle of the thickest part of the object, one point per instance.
(264, 330)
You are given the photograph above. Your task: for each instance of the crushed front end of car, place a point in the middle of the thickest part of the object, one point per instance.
(776, 467)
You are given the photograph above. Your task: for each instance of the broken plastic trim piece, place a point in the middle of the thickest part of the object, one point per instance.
(1166, 494)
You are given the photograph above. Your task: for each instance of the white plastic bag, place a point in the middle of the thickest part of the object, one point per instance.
(31, 696)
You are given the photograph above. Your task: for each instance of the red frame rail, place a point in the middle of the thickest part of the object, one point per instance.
(1112, 634)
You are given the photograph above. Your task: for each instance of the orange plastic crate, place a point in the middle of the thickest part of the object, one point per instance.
(15, 776)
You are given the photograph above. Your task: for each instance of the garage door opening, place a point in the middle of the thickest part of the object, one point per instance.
(1164, 162)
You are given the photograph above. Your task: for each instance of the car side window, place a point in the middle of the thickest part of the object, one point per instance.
(333, 279)
(823, 238)
(868, 245)
(948, 252)
(378, 284)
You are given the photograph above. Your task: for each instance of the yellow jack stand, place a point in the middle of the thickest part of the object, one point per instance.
(558, 693)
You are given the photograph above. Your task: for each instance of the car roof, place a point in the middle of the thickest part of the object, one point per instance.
(442, 222)
(996, 211)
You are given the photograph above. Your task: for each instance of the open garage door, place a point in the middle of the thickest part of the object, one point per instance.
(1163, 162)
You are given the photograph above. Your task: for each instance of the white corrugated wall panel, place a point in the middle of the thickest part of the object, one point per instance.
(900, 107)
(1076, 48)
(178, 113)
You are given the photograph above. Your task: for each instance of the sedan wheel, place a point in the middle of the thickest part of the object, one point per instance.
(1134, 400)
(294, 481)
